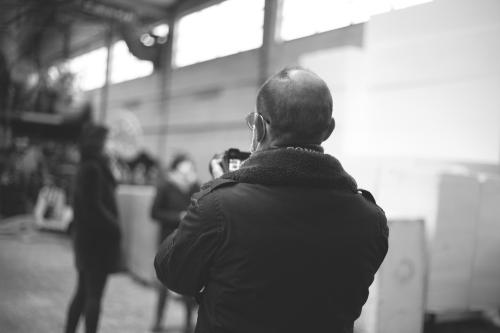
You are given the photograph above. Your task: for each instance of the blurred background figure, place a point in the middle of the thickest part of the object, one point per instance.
(169, 207)
(96, 230)
(52, 209)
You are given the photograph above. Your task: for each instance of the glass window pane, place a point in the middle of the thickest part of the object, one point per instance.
(400, 4)
(125, 66)
(90, 69)
(229, 27)
(302, 18)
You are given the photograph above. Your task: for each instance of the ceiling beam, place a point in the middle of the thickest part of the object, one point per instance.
(142, 8)
(186, 6)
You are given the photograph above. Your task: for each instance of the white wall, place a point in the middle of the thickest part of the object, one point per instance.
(425, 84)
(433, 78)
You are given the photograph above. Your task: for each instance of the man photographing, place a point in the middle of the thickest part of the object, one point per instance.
(287, 243)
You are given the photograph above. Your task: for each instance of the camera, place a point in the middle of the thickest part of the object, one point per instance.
(230, 160)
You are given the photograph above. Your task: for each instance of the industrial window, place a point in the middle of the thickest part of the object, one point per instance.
(90, 68)
(229, 27)
(304, 18)
(125, 66)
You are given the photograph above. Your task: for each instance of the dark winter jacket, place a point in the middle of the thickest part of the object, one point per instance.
(168, 204)
(285, 244)
(96, 229)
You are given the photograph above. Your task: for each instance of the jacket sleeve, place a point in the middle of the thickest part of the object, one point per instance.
(103, 218)
(184, 258)
(161, 212)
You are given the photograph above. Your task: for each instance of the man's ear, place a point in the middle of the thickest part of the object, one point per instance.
(329, 130)
(260, 129)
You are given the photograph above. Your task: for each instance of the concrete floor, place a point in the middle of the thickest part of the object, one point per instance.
(37, 280)
(463, 326)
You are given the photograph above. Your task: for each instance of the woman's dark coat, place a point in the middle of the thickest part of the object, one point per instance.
(168, 204)
(96, 228)
(285, 244)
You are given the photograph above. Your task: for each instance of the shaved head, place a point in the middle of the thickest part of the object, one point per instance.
(298, 105)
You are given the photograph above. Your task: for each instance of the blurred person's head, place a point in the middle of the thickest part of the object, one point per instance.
(48, 180)
(182, 170)
(93, 140)
(294, 108)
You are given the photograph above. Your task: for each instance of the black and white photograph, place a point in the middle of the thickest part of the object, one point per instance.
(250, 166)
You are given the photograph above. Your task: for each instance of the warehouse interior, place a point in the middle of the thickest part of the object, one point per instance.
(415, 87)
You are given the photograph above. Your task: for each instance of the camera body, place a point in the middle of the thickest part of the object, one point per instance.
(229, 161)
(233, 158)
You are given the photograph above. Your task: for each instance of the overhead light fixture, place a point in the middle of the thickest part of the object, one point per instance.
(147, 40)
(161, 30)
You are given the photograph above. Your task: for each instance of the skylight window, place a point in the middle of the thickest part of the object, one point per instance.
(90, 68)
(125, 66)
(227, 28)
(304, 18)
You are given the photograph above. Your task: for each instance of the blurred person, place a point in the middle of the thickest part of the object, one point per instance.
(169, 207)
(13, 198)
(4, 82)
(96, 230)
(51, 209)
(287, 243)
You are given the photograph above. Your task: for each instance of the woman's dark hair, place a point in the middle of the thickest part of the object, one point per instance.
(93, 138)
(178, 159)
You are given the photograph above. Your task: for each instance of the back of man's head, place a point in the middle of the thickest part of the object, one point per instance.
(298, 105)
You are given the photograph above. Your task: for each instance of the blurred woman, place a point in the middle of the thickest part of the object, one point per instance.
(169, 207)
(96, 230)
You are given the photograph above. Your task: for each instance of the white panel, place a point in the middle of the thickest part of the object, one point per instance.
(485, 291)
(402, 279)
(396, 301)
(452, 249)
(140, 232)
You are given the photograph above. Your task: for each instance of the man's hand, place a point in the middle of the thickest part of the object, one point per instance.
(216, 167)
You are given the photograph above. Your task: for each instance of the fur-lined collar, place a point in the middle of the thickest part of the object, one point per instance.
(295, 167)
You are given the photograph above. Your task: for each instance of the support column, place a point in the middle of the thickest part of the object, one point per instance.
(165, 86)
(67, 35)
(105, 88)
(271, 13)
